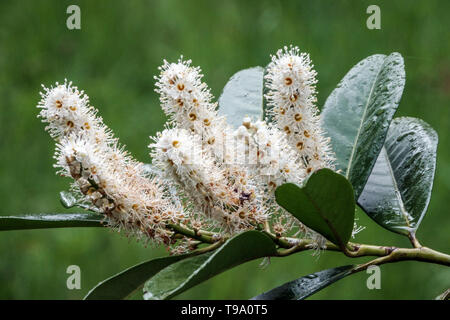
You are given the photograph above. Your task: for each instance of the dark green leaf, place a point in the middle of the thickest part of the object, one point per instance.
(398, 191)
(243, 96)
(53, 220)
(125, 283)
(358, 112)
(304, 287)
(182, 275)
(325, 204)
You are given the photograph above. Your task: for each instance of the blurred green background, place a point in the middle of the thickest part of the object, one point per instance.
(114, 57)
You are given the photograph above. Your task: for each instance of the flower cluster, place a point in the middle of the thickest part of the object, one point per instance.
(66, 111)
(104, 175)
(187, 101)
(291, 81)
(205, 174)
(231, 203)
(276, 163)
(218, 185)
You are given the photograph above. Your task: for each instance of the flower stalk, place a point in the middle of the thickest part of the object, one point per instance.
(288, 246)
(203, 236)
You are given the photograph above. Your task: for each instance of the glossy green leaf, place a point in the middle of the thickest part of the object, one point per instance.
(358, 112)
(398, 191)
(325, 204)
(243, 96)
(125, 283)
(304, 287)
(53, 220)
(182, 275)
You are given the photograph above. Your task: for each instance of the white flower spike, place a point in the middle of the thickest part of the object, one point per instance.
(291, 81)
(104, 175)
(187, 101)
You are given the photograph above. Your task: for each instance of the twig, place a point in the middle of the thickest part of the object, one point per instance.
(290, 246)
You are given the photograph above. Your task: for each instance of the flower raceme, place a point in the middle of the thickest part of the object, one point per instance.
(206, 175)
(104, 175)
(291, 82)
(187, 101)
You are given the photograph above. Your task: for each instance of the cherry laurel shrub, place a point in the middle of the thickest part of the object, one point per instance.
(259, 174)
